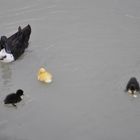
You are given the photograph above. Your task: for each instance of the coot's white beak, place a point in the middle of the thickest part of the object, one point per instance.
(129, 91)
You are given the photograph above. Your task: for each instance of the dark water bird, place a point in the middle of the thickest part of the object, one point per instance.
(13, 47)
(133, 86)
(14, 98)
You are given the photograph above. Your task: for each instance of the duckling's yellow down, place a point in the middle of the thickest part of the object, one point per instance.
(44, 76)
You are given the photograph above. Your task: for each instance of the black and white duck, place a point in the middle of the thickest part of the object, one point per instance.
(133, 86)
(13, 47)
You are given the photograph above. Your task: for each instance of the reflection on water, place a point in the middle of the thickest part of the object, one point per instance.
(5, 74)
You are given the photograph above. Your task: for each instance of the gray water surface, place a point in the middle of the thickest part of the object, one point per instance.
(92, 48)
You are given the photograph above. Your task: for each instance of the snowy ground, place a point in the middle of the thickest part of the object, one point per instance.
(92, 48)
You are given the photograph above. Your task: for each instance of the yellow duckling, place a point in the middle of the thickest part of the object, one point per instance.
(44, 76)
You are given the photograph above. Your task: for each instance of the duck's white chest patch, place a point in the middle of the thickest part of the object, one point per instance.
(6, 57)
(129, 91)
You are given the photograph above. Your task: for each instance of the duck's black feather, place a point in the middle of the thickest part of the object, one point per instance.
(17, 43)
(12, 98)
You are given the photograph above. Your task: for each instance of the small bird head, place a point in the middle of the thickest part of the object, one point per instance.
(42, 70)
(19, 92)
